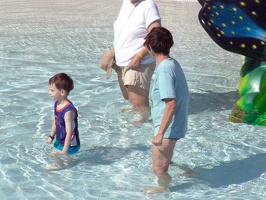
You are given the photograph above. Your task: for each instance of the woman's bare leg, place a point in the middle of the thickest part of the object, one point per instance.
(161, 159)
(140, 101)
(138, 97)
(121, 82)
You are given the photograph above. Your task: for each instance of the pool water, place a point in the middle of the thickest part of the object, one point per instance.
(41, 38)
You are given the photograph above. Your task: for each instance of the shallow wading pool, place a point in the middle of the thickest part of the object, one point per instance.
(41, 38)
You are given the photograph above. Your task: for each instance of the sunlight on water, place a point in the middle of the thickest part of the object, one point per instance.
(39, 39)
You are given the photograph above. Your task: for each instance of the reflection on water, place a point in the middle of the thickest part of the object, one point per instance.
(41, 38)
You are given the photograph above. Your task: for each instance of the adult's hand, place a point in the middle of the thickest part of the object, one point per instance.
(135, 62)
(157, 140)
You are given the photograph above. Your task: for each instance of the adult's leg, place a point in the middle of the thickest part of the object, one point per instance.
(138, 85)
(138, 97)
(140, 101)
(121, 82)
(161, 158)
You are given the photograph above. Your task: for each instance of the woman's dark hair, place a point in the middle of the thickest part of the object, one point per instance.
(62, 81)
(159, 40)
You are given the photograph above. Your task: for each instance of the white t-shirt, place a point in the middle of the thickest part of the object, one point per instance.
(130, 29)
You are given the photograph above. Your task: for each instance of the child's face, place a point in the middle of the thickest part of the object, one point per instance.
(54, 93)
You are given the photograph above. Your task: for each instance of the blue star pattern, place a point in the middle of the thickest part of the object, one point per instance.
(237, 26)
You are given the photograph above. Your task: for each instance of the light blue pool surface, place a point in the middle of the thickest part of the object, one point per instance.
(41, 38)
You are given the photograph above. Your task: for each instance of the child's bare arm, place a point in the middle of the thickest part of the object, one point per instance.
(69, 117)
(52, 134)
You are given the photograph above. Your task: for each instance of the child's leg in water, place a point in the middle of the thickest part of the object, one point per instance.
(61, 161)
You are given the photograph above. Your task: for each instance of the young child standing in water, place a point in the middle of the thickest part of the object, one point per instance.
(65, 125)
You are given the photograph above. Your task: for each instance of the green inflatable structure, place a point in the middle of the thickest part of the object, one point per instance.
(240, 27)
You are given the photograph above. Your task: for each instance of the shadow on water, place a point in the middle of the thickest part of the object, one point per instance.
(212, 101)
(228, 173)
(105, 155)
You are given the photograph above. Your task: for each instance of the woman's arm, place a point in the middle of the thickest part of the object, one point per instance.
(167, 118)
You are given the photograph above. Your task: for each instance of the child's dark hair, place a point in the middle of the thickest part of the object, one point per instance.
(62, 81)
(159, 40)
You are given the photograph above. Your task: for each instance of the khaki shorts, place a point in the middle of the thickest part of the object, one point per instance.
(140, 77)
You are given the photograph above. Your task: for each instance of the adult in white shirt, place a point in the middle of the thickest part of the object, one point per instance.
(134, 64)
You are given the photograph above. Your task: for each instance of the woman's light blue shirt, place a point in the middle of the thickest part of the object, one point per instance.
(170, 82)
